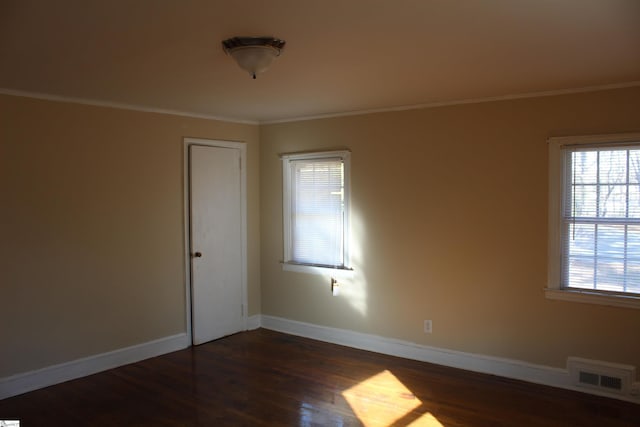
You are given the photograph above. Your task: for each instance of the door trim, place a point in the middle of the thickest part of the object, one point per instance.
(242, 147)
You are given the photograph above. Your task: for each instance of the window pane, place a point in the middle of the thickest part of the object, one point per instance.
(317, 216)
(585, 201)
(581, 273)
(603, 257)
(601, 207)
(612, 167)
(603, 254)
(634, 166)
(634, 201)
(633, 258)
(613, 201)
(610, 275)
(581, 240)
(585, 165)
(611, 241)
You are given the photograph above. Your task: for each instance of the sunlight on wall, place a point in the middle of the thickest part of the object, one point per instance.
(382, 400)
(355, 288)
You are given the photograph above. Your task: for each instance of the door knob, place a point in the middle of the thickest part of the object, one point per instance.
(197, 255)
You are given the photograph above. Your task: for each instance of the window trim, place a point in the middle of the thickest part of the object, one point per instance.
(287, 263)
(554, 251)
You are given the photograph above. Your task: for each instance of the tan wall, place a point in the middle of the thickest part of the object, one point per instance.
(450, 224)
(92, 228)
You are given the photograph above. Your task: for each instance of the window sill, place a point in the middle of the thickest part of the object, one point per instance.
(342, 273)
(589, 297)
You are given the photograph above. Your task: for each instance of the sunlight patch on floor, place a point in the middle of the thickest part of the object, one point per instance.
(426, 420)
(382, 400)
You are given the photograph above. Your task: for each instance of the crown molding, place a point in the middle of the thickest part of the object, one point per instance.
(132, 107)
(122, 106)
(459, 102)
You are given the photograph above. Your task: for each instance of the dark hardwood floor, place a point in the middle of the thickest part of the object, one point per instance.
(265, 378)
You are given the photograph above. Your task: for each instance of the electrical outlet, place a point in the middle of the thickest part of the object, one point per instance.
(428, 326)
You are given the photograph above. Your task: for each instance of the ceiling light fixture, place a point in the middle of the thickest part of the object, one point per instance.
(253, 54)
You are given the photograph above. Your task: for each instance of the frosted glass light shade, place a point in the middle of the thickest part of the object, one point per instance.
(254, 59)
(253, 54)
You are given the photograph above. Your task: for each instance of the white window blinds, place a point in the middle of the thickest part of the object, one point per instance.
(601, 218)
(316, 209)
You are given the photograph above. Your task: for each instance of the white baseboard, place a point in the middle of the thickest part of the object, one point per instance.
(254, 322)
(33, 380)
(509, 368)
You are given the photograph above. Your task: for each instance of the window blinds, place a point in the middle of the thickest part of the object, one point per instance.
(317, 211)
(601, 219)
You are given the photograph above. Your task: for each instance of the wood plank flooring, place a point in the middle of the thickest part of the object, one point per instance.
(265, 378)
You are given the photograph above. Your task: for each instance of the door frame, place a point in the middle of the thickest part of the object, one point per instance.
(242, 147)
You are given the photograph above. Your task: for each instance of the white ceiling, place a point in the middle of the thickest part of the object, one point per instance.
(341, 55)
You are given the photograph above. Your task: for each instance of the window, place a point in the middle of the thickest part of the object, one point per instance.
(316, 211)
(594, 219)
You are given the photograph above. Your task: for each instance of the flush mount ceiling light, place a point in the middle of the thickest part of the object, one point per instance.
(253, 54)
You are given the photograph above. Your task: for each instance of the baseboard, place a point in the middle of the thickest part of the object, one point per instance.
(508, 368)
(33, 380)
(254, 322)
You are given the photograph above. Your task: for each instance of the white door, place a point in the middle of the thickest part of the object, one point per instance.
(216, 242)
